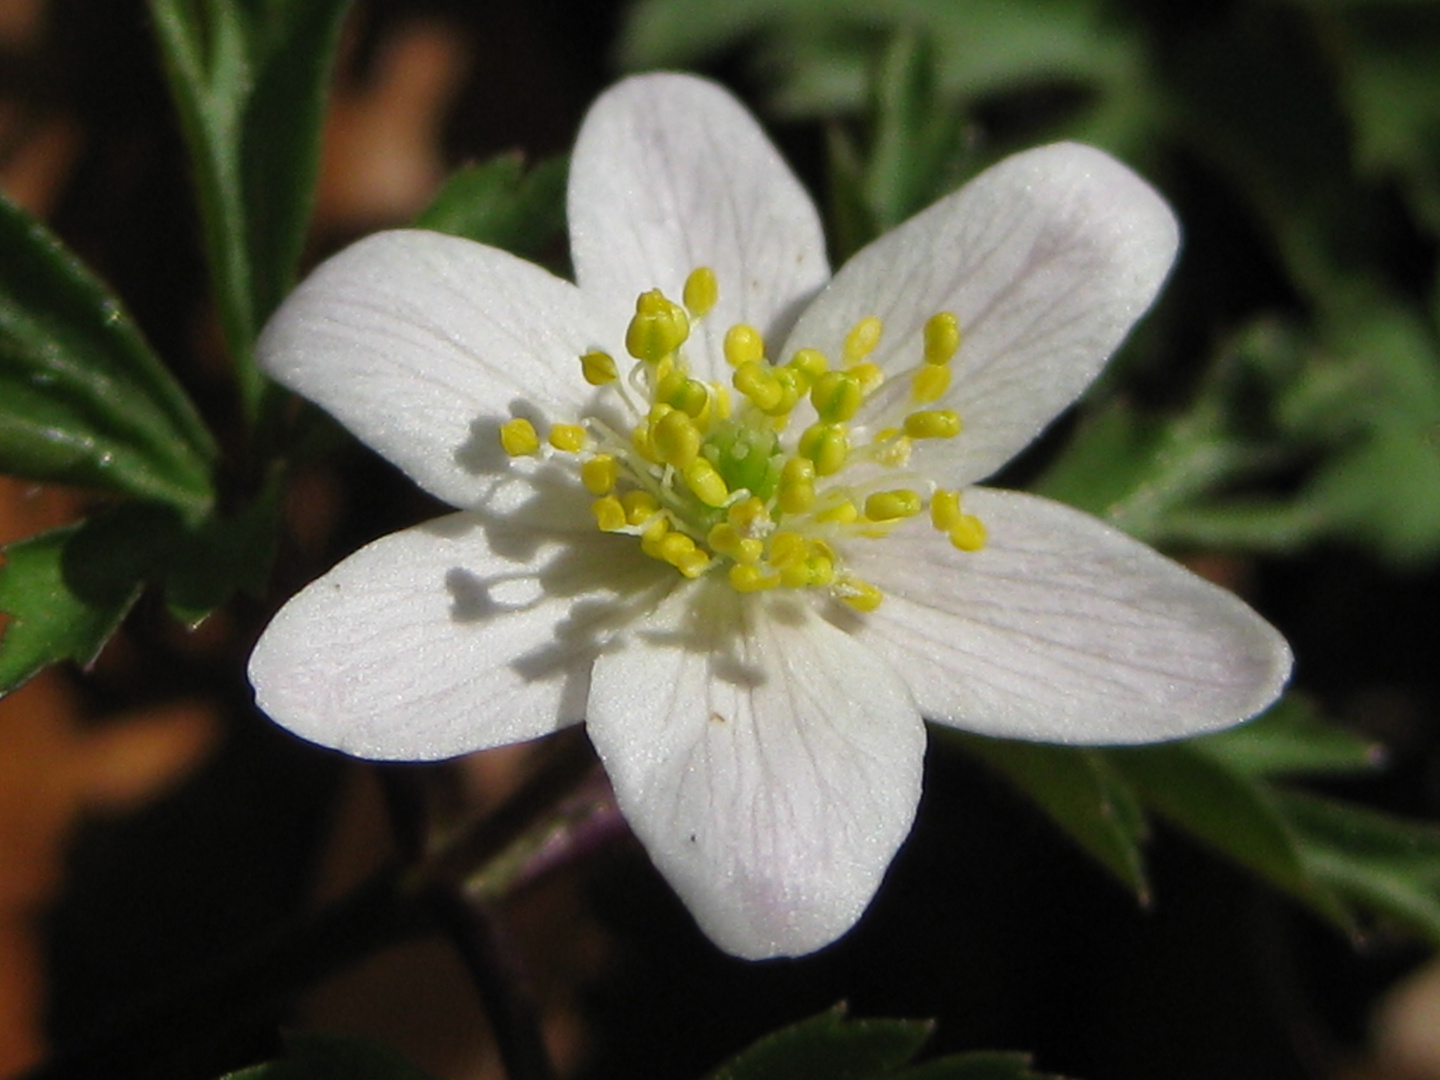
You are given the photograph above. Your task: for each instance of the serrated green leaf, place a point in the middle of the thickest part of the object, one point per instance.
(311, 1056)
(829, 1047)
(1291, 738)
(1081, 792)
(1226, 810)
(83, 400)
(249, 81)
(1371, 859)
(65, 592)
(500, 203)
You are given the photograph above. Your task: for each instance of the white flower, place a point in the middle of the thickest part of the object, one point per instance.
(754, 561)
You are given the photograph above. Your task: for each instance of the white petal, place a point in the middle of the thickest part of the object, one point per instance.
(1063, 629)
(454, 636)
(671, 173)
(1047, 259)
(423, 344)
(770, 766)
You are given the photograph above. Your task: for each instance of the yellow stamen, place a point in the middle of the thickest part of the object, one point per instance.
(640, 506)
(930, 383)
(837, 396)
(758, 383)
(519, 438)
(660, 326)
(705, 483)
(827, 445)
(567, 437)
(609, 514)
(932, 424)
(675, 438)
(893, 505)
(945, 510)
(968, 534)
(750, 518)
(599, 474)
(701, 291)
(942, 337)
(860, 595)
(598, 368)
(796, 493)
(747, 578)
(862, 339)
(743, 345)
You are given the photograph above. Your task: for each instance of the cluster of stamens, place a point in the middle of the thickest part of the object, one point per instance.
(702, 479)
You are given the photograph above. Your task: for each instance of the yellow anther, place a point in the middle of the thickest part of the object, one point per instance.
(932, 424)
(598, 368)
(827, 445)
(675, 438)
(701, 291)
(705, 483)
(750, 519)
(796, 492)
(675, 546)
(822, 569)
(968, 534)
(862, 339)
(837, 396)
(609, 514)
(743, 345)
(599, 474)
(869, 374)
(748, 577)
(787, 549)
(842, 513)
(640, 506)
(653, 534)
(724, 539)
(893, 505)
(792, 388)
(860, 595)
(660, 326)
(640, 439)
(519, 438)
(567, 437)
(945, 510)
(942, 337)
(930, 384)
(688, 395)
(694, 564)
(811, 362)
(758, 383)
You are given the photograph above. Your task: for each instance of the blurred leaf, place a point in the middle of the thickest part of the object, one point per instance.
(311, 1056)
(829, 1047)
(1392, 91)
(500, 203)
(83, 400)
(1381, 862)
(1288, 739)
(916, 136)
(1082, 793)
(819, 54)
(1226, 810)
(249, 79)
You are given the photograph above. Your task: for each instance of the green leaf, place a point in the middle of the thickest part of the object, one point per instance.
(1081, 792)
(249, 79)
(1230, 812)
(67, 590)
(311, 1056)
(1372, 859)
(83, 400)
(500, 203)
(829, 1047)
(1291, 738)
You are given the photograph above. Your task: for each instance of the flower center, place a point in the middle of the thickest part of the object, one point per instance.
(709, 481)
